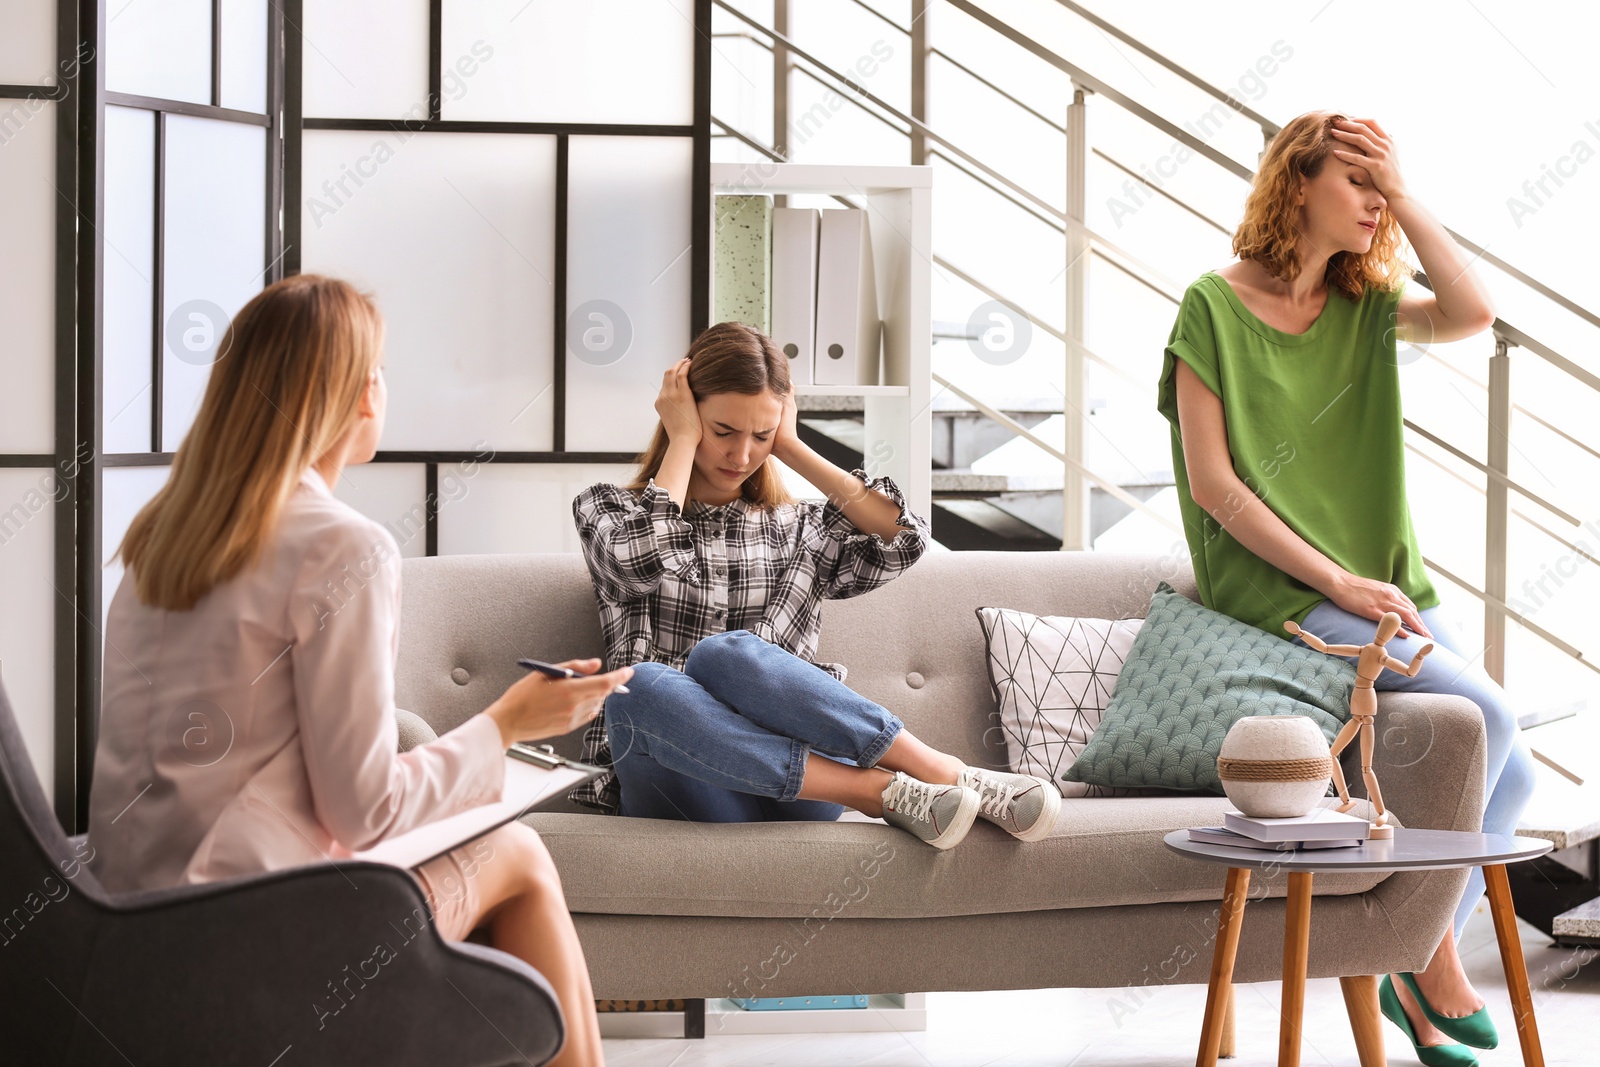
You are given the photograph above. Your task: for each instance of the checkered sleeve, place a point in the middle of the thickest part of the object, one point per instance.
(630, 542)
(851, 561)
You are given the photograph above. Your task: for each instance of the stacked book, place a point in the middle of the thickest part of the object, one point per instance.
(1322, 828)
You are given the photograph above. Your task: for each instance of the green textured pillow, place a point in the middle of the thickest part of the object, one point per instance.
(1191, 673)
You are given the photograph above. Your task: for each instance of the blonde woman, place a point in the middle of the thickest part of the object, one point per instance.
(1283, 389)
(248, 720)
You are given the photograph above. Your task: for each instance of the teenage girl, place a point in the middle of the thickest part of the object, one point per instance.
(711, 579)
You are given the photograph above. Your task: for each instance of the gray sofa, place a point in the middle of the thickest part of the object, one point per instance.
(670, 909)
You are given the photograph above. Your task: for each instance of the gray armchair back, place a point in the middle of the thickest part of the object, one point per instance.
(325, 964)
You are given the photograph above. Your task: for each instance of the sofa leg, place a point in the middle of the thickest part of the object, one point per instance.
(694, 1018)
(1225, 1046)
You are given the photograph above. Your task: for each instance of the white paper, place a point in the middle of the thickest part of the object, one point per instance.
(525, 786)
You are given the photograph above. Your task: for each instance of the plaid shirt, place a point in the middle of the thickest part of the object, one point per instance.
(665, 577)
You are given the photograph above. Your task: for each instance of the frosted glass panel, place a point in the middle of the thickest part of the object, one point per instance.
(366, 59)
(627, 284)
(28, 46)
(28, 282)
(215, 252)
(124, 491)
(455, 236)
(620, 61)
(391, 494)
(27, 625)
(159, 48)
(525, 507)
(129, 260)
(244, 54)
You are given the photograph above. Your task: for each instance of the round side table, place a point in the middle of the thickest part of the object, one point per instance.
(1408, 850)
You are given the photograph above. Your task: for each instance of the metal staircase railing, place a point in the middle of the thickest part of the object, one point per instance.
(1499, 485)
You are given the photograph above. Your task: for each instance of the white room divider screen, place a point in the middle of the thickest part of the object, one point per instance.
(520, 185)
(39, 67)
(515, 183)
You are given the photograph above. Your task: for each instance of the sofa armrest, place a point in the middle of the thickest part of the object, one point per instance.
(414, 729)
(1430, 755)
(338, 960)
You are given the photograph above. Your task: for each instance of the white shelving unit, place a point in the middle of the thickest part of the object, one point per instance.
(898, 415)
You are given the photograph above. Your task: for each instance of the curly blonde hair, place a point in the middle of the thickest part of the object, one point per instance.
(1268, 233)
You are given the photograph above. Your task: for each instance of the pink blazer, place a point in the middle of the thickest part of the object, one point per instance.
(257, 730)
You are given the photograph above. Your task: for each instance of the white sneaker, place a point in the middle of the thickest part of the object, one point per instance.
(1020, 804)
(941, 815)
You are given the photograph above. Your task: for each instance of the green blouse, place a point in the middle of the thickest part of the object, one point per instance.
(1315, 431)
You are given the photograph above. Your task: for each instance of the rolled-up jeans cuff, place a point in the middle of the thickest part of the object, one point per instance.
(880, 744)
(799, 751)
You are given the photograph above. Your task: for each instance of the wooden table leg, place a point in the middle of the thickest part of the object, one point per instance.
(1296, 952)
(1229, 920)
(1516, 968)
(1361, 1004)
(1225, 1049)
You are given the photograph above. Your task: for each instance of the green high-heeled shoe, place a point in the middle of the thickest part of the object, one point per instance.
(1428, 1055)
(1476, 1029)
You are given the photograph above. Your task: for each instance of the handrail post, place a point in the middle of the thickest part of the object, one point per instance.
(1074, 489)
(919, 79)
(780, 82)
(1496, 513)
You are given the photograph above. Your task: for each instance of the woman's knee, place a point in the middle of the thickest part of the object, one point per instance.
(647, 694)
(526, 860)
(723, 654)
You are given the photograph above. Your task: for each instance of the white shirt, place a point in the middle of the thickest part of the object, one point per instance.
(257, 730)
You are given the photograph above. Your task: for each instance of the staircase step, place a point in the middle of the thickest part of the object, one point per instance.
(969, 481)
(1563, 811)
(1582, 921)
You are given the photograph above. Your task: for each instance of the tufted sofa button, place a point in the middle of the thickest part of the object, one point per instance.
(914, 680)
(459, 676)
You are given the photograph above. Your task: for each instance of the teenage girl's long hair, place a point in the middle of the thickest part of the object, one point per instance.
(295, 363)
(1268, 233)
(730, 357)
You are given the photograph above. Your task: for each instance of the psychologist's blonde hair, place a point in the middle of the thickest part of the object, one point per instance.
(730, 357)
(294, 365)
(1269, 232)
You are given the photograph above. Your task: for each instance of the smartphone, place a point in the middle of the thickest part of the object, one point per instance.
(550, 670)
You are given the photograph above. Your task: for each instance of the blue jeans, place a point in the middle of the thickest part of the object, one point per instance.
(1509, 781)
(726, 739)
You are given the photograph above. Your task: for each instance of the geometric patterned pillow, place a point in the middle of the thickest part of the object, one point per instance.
(1052, 678)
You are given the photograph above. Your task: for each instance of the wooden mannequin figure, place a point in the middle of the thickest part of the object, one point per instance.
(1371, 661)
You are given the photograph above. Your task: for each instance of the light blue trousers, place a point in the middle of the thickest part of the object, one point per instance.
(1509, 782)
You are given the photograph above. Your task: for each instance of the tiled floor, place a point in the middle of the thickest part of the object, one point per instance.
(1062, 1027)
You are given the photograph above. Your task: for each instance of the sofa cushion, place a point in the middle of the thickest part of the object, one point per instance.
(1105, 852)
(1052, 678)
(1192, 673)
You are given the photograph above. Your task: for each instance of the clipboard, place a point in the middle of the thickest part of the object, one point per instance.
(533, 775)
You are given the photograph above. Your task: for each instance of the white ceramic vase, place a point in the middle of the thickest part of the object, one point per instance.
(1275, 766)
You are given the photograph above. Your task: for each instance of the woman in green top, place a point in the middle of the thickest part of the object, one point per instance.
(1282, 386)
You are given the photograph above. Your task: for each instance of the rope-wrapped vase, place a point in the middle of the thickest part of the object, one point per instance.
(1275, 766)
